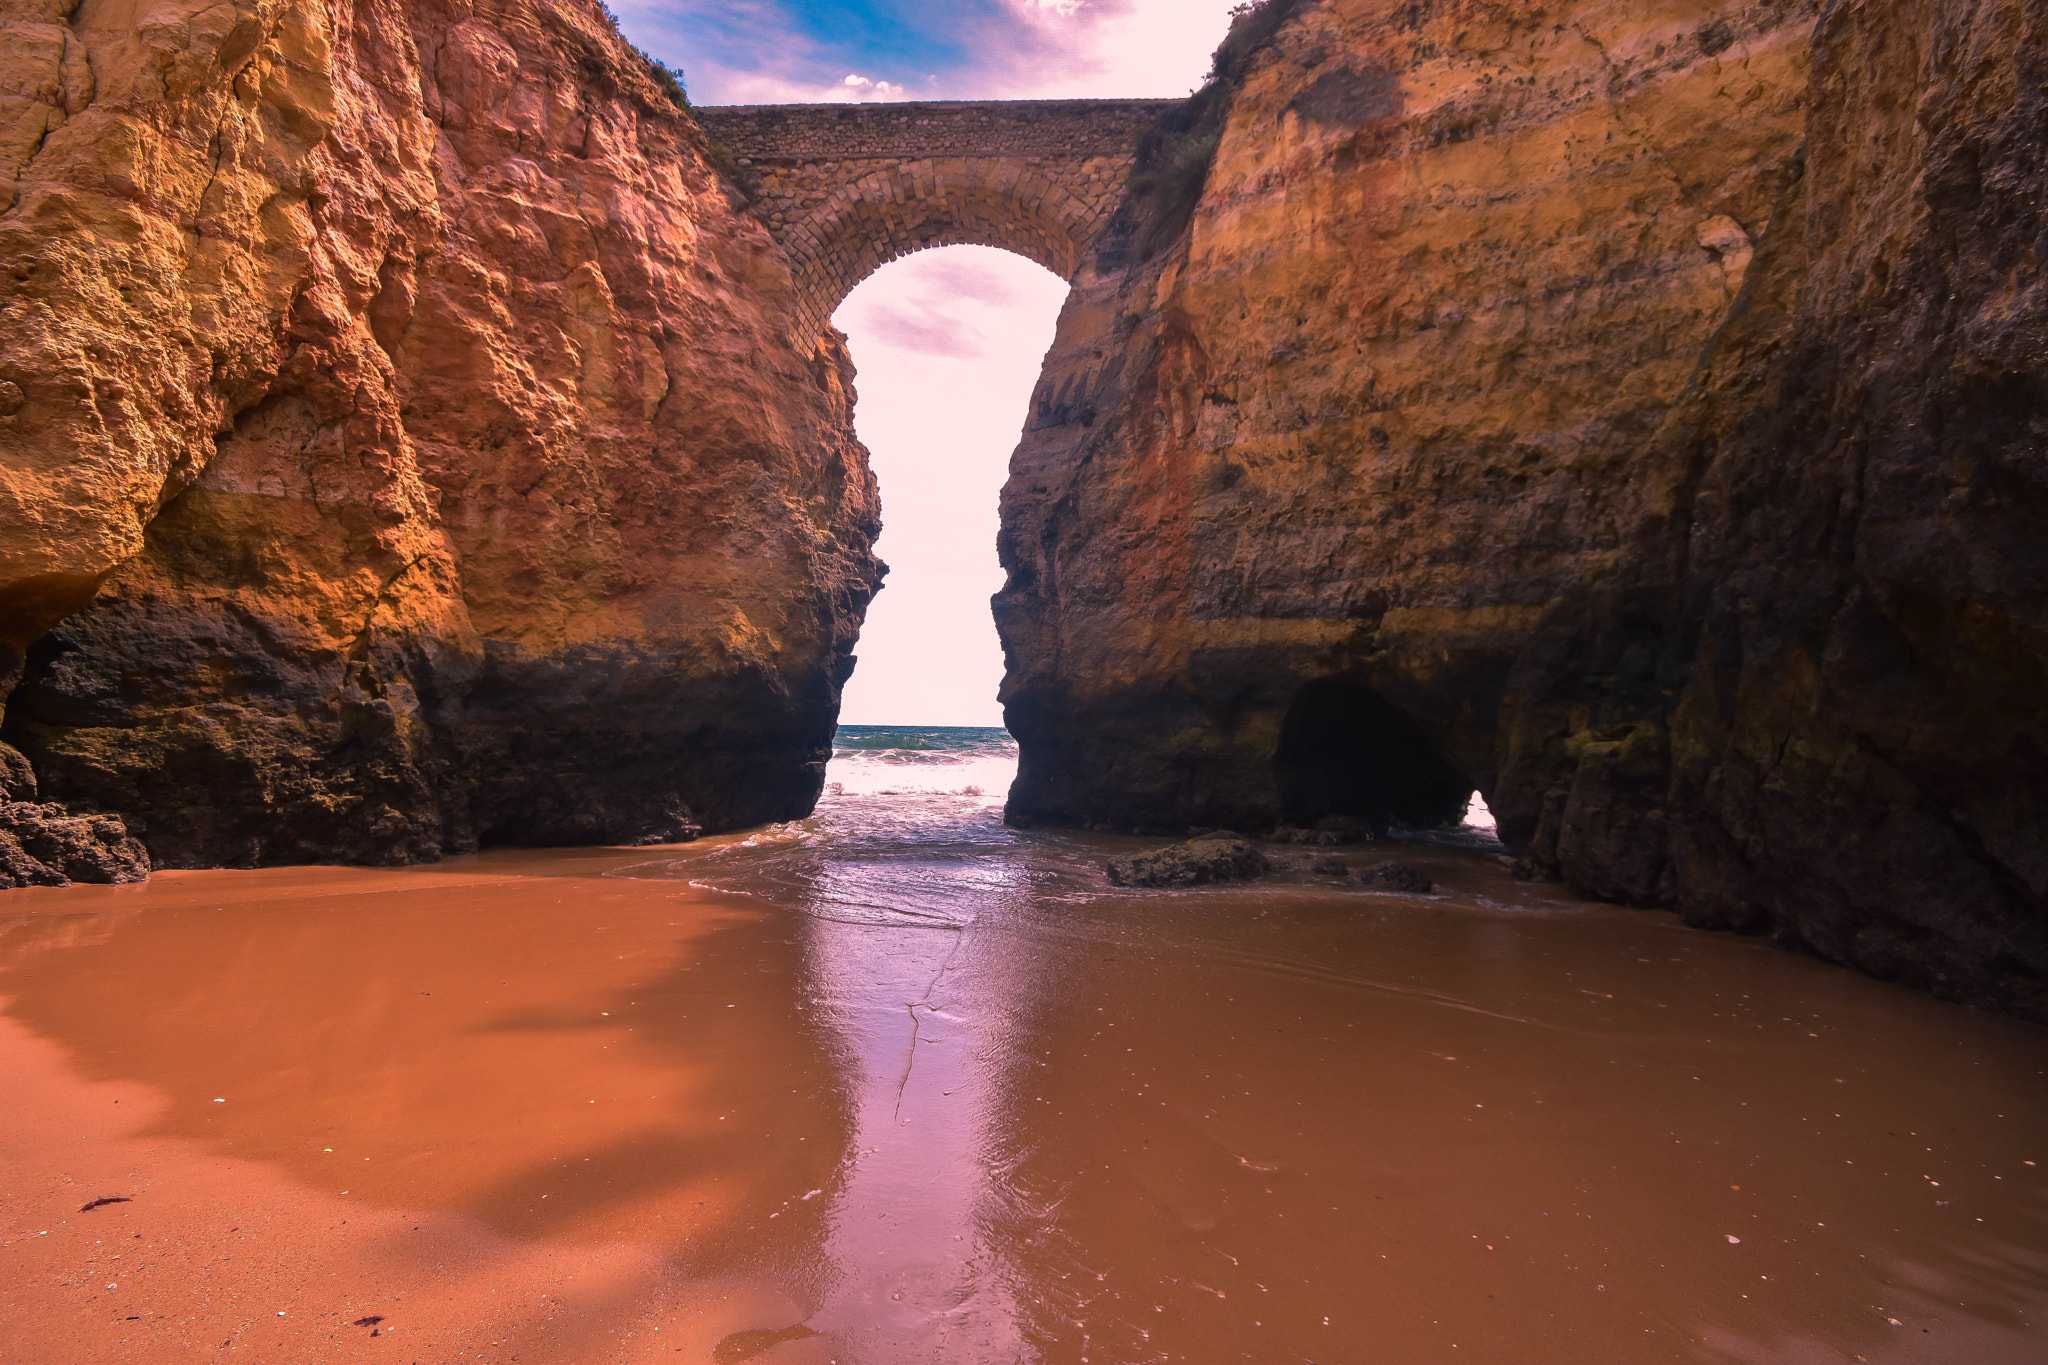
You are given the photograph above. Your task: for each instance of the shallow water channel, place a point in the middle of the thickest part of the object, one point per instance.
(899, 1085)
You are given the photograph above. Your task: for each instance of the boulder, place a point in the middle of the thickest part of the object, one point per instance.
(1194, 863)
(1331, 829)
(1400, 877)
(49, 845)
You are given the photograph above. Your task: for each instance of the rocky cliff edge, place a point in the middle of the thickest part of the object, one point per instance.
(1636, 413)
(406, 443)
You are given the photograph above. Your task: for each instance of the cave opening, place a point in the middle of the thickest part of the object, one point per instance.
(1347, 753)
(947, 343)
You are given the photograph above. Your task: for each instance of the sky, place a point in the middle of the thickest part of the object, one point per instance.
(948, 343)
(789, 51)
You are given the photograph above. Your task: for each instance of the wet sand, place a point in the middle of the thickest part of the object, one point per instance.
(793, 1099)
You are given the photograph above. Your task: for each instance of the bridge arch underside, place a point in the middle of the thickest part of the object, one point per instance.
(858, 238)
(845, 188)
(891, 215)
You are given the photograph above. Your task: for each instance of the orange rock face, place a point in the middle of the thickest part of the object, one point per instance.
(1632, 412)
(424, 426)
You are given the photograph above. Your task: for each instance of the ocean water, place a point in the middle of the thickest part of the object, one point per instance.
(928, 783)
(910, 828)
(911, 762)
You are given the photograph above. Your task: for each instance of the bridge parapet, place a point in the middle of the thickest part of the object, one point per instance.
(845, 188)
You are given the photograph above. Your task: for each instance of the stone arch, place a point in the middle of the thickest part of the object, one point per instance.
(892, 213)
(847, 188)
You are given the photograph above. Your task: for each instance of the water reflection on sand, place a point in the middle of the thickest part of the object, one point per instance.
(899, 1085)
(912, 953)
(920, 1006)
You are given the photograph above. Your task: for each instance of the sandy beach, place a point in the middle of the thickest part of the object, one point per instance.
(772, 1099)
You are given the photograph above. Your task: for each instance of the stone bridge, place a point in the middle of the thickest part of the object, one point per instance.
(847, 187)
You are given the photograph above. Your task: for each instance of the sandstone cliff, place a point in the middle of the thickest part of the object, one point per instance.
(406, 442)
(1634, 412)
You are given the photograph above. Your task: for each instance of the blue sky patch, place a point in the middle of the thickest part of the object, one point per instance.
(747, 50)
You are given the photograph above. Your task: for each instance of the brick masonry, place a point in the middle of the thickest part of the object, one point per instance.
(847, 187)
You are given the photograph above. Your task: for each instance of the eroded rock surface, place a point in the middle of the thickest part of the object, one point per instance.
(1635, 413)
(1197, 862)
(45, 844)
(425, 426)
(1399, 877)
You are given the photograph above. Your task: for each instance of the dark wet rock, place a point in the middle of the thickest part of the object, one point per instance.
(51, 845)
(1396, 877)
(1194, 863)
(1331, 866)
(1328, 831)
(1331, 829)
(17, 778)
(672, 825)
(1294, 834)
(1347, 830)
